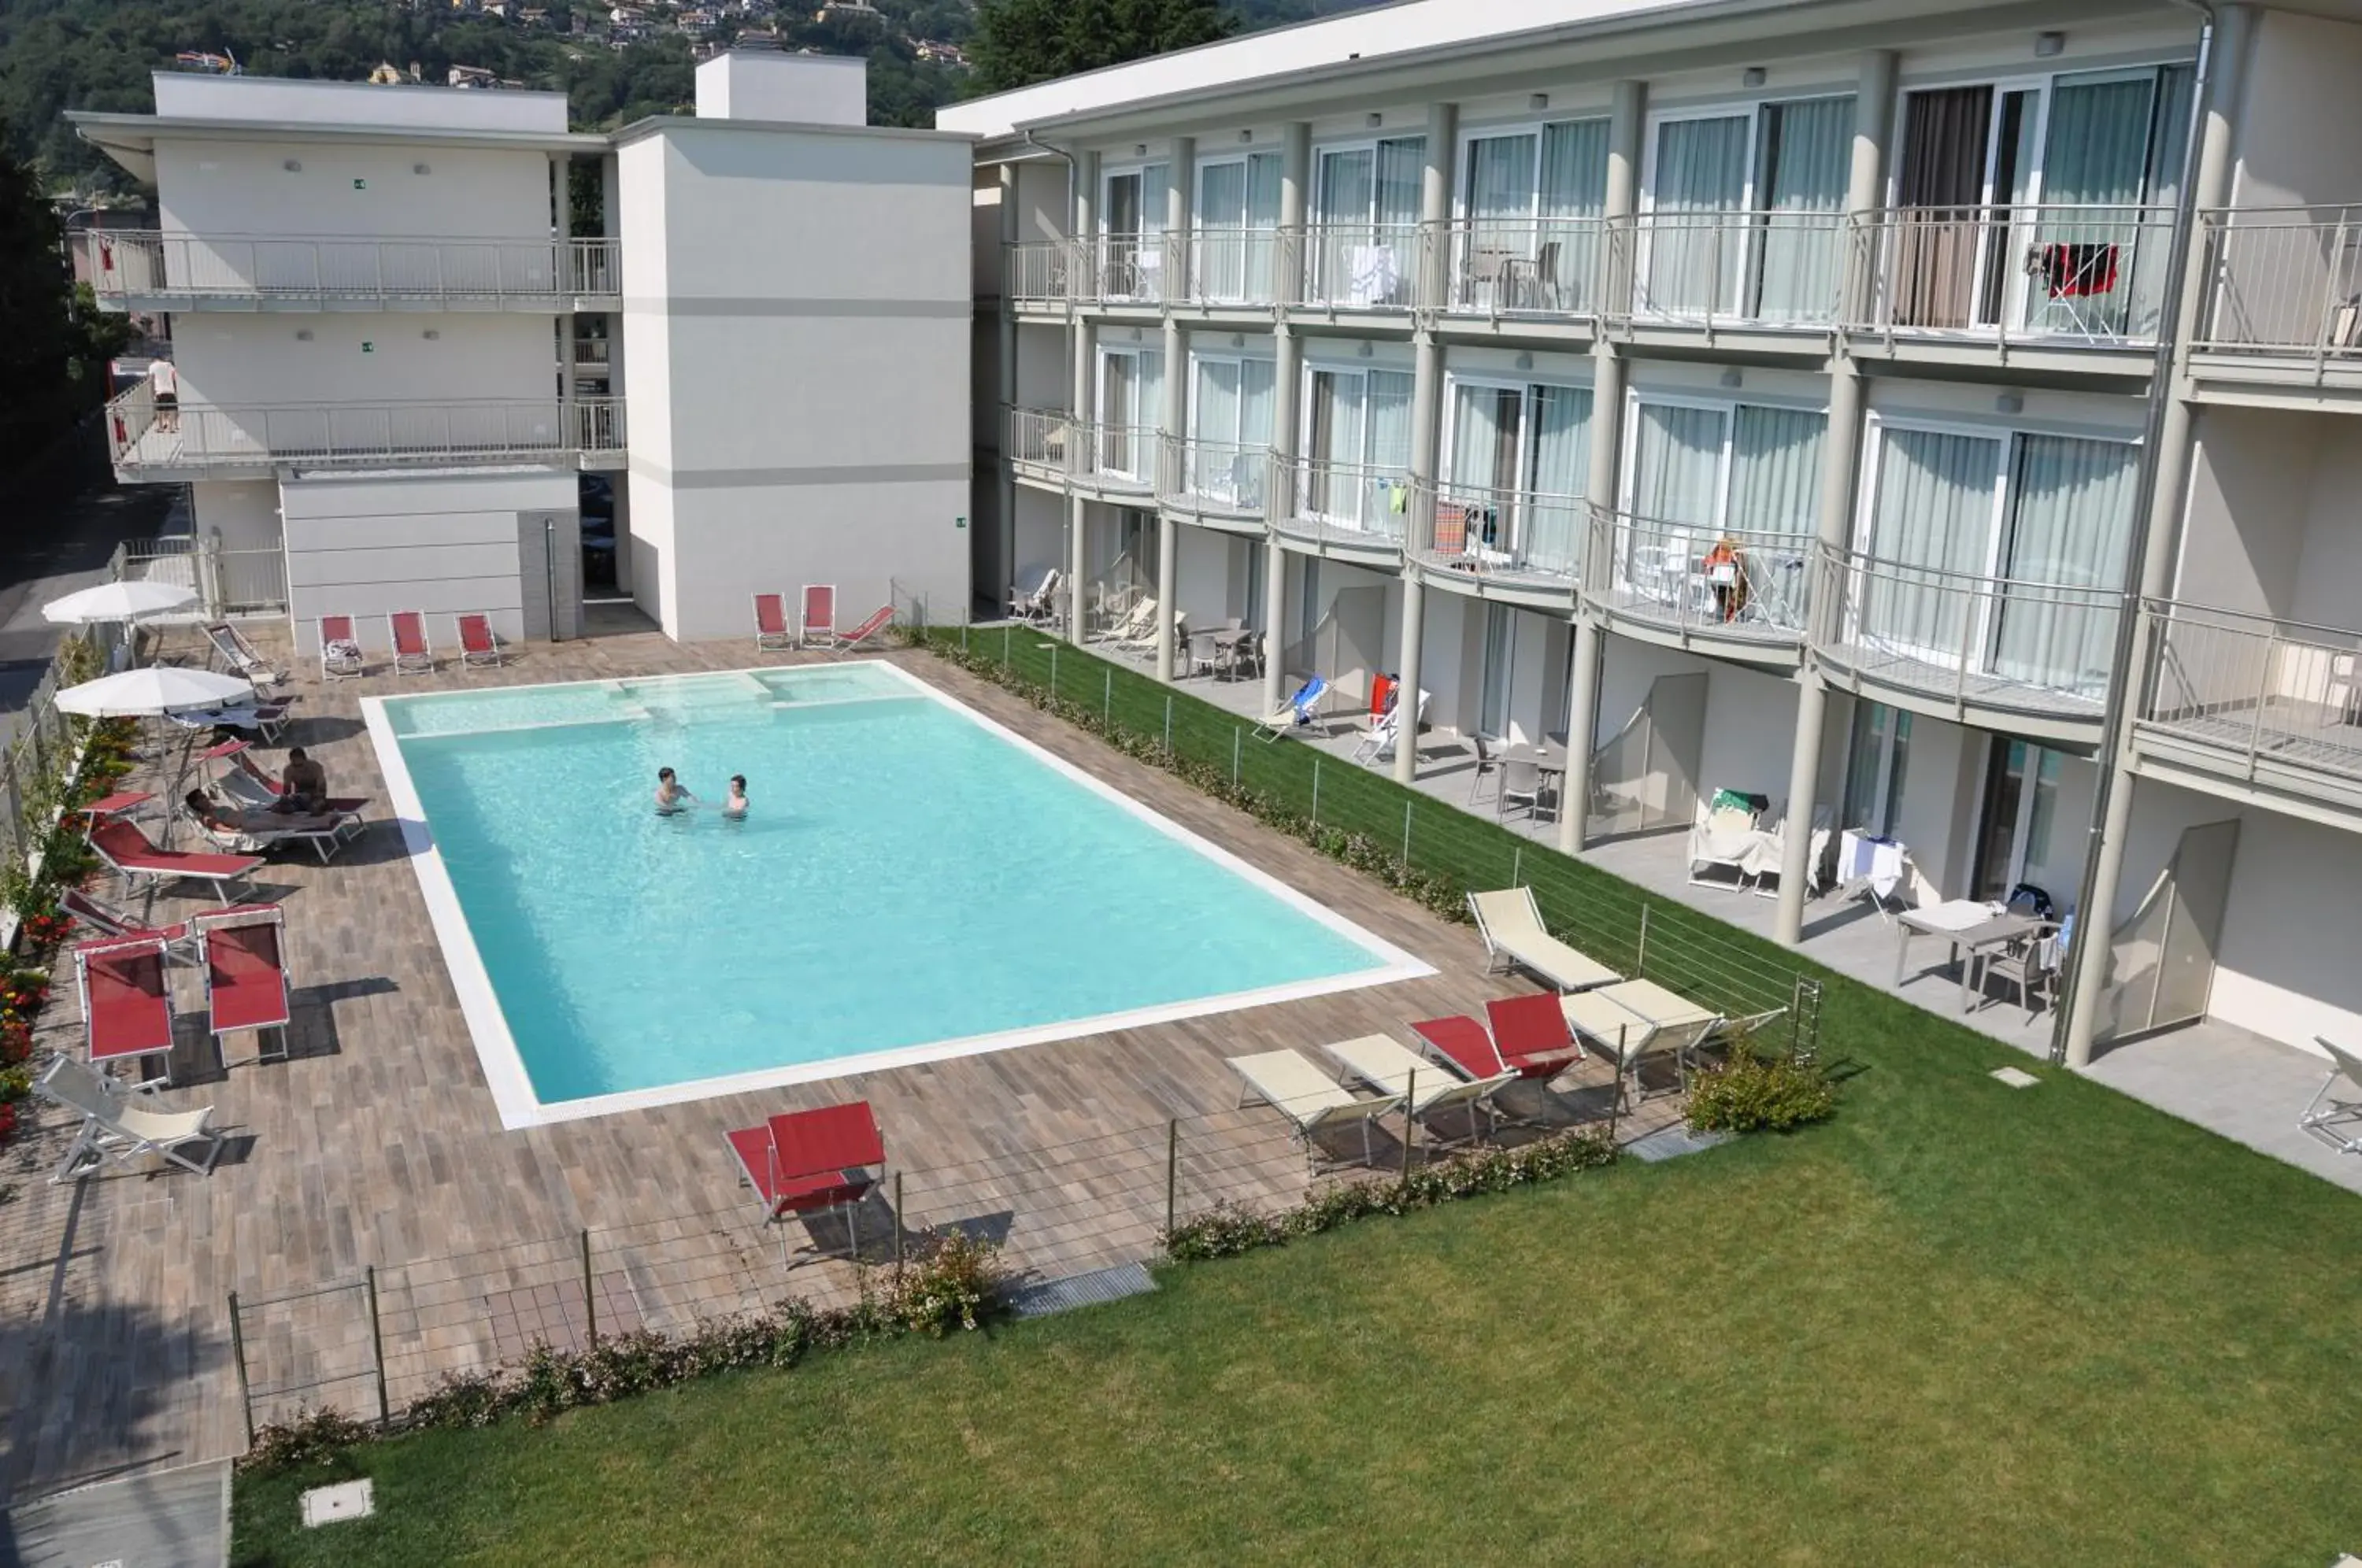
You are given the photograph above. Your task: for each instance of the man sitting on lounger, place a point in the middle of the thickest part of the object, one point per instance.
(671, 799)
(303, 785)
(222, 819)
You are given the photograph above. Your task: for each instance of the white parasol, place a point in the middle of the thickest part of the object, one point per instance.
(118, 601)
(159, 689)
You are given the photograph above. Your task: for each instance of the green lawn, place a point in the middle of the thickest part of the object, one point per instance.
(1962, 1323)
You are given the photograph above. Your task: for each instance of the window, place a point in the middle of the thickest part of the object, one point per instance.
(1500, 649)
(1516, 475)
(1531, 214)
(1230, 430)
(1366, 209)
(1132, 227)
(1357, 447)
(1132, 394)
(1877, 760)
(2021, 800)
(1238, 228)
(1742, 212)
(1721, 504)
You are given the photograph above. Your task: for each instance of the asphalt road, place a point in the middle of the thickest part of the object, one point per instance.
(54, 548)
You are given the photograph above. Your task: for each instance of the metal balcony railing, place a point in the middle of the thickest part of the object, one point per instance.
(1038, 438)
(593, 353)
(1744, 584)
(1362, 266)
(1509, 534)
(129, 265)
(1040, 271)
(1134, 269)
(2256, 688)
(1115, 456)
(1215, 476)
(1352, 504)
(1996, 642)
(2283, 280)
(143, 438)
(1548, 267)
(1243, 266)
(2088, 275)
(1734, 269)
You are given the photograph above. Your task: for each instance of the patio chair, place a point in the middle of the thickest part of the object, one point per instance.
(1722, 835)
(340, 650)
(1639, 1022)
(1291, 1084)
(1511, 924)
(265, 720)
(772, 633)
(244, 954)
(108, 921)
(869, 631)
(1425, 1089)
(413, 654)
(1294, 714)
(1520, 783)
(131, 855)
(1033, 595)
(238, 656)
(127, 1001)
(807, 1163)
(118, 1126)
(1144, 639)
(1137, 621)
(478, 644)
(1487, 767)
(1378, 745)
(818, 623)
(2336, 1120)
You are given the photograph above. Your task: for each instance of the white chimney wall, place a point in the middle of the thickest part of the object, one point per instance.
(784, 89)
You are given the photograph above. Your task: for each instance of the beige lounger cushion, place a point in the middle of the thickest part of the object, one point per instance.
(1666, 1009)
(1296, 1086)
(1391, 1069)
(1513, 926)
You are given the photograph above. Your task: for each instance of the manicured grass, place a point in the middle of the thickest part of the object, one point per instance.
(1962, 1323)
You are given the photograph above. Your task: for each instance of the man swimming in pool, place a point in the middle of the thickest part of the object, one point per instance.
(734, 808)
(671, 799)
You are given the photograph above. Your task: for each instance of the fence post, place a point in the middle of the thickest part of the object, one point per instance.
(1168, 724)
(1237, 736)
(376, 1349)
(1107, 701)
(1005, 634)
(238, 1351)
(962, 637)
(1316, 792)
(1172, 1176)
(590, 1296)
(1406, 854)
(1410, 1117)
(898, 1228)
(1640, 958)
(1054, 671)
(1615, 1093)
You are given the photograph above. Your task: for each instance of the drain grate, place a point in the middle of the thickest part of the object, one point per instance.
(2015, 1077)
(1672, 1142)
(1081, 1290)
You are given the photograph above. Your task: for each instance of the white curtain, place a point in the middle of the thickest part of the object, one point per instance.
(1676, 486)
(2069, 520)
(1701, 178)
(1500, 199)
(1560, 474)
(1389, 451)
(1335, 444)
(1222, 231)
(1775, 470)
(2095, 167)
(1262, 240)
(1341, 212)
(1255, 429)
(1573, 187)
(1215, 432)
(1477, 438)
(1808, 148)
(1933, 515)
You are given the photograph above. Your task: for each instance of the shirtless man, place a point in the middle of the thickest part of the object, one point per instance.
(303, 784)
(671, 799)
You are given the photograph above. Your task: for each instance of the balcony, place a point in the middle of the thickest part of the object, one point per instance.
(594, 355)
(1506, 543)
(146, 271)
(1732, 591)
(1352, 511)
(2284, 301)
(2276, 705)
(1974, 649)
(1361, 266)
(1217, 483)
(1550, 269)
(1998, 282)
(1038, 447)
(1039, 273)
(1249, 267)
(1116, 463)
(202, 441)
(1722, 271)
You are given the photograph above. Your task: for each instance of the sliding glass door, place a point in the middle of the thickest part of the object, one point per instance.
(1131, 395)
(2068, 523)
(1357, 448)
(1132, 233)
(1801, 167)
(1516, 474)
(1229, 432)
(1366, 208)
(1722, 501)
(1743, 211)
(1697, 192)
(1238, 229)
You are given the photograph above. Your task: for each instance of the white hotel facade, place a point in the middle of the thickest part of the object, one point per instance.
(1942, 414)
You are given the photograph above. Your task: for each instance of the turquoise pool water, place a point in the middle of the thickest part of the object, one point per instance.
(907, 876)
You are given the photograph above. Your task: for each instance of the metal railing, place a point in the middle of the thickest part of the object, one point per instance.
(1134, 269)
(1729, 268)
(227, 582)
(593, 353)
(1223, 476)
(1735, 582)
(1116, 457)
(1038, 270)
(1491, 531)
(2255, 687)
(1351, 504)
(2283, 280)
(1362, 266)
(2073, 274)
(1544, 266)
(135, 264)
(2038, 646)
(1038, 438)
(1243, 266)
(142, 438)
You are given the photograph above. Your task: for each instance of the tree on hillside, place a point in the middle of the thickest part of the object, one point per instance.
(1018, 42)
(53, 355)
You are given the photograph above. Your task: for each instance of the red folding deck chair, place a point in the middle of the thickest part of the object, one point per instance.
(1531, 1034)
(867, 629)
(477, 642)
(243, 950)
(413, 654)
(812, 1162)
(820, 615)
(107, 924)
(771, 631)
(1462, 1043)
(131, 855)
(127, 1002)
(340, 650)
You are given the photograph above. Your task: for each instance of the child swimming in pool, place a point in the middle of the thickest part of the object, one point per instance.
(734, 808)
(671, 799)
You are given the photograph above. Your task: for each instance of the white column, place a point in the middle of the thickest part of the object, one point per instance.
(1286, 379)
(1173, 422)
(1004, 550)
(1081, 395)
(1426, 422)
(2210, 187)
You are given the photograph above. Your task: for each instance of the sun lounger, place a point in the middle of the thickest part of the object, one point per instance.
(478, 644)
(324, 833)
(1426, 1088)
(105, 921)
(1033, 595)
(2336, 1120)
(131, 855)
(243, 950)
(1291, 1084)
(340, 650)
(869, 630)
(1532, 1035)
(1296, 712)
(127, 1002)
(812, 1162)
(413, 654)
(1140, 621)
(772, 633)
(265, 720)
(1378, 745)
(1640, 1021)
(118, 1126)
(238, 656)
(819, 623)
(1511, 924)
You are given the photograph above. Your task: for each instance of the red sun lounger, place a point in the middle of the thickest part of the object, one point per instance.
(413, 654)
(867, 629)
(1531, 1034)
(772, 633)
(478, 642)
(245, 976)
(811, 1162)
(820, 615)
(340, 649)
(109, 925)
(1463, 1043)
(128, 850)
(127, 1002)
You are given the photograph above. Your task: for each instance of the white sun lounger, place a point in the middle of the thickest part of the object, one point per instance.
(2336, 1122)
(119, 1126)
(1391, 1068)
(1290, 1083)
(1511, 924)
(1637, 1022)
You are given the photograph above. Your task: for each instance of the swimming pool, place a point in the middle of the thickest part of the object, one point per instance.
(913, 882)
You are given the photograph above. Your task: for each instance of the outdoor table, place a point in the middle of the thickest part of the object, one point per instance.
(1226, 648)
(1973, 929)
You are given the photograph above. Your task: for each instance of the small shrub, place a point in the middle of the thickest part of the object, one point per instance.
(950, 1282)
(1758, 1092)
(312, 1436)
(1223, 1230)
